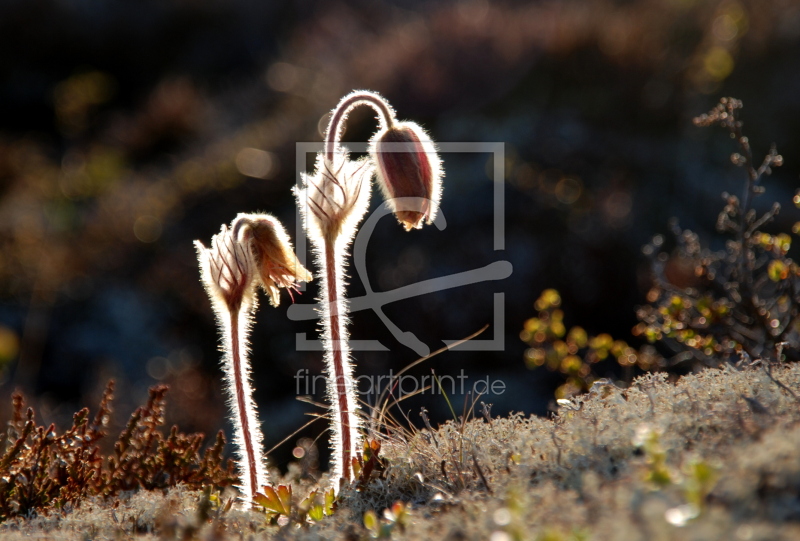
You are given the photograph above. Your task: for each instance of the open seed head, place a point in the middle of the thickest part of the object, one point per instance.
(272, 254)
(336, 196)
(409, 172)
(226, 268)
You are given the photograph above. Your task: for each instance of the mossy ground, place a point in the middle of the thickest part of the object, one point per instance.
(715, 455)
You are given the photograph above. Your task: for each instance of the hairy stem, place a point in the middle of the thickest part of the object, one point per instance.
(339, 364)
(238, 379)
(247, 435)
(385, 114)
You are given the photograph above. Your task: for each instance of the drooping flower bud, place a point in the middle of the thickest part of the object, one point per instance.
(273, 256)
(409, 172)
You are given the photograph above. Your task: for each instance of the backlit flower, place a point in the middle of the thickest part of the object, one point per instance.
(226, 268)
(409, 172)
(336, 196)
(272, 254)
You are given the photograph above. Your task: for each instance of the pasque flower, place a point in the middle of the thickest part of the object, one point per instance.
(276, 264)
(409, 172)
(254, 251)
(336, 197)
(333, 201)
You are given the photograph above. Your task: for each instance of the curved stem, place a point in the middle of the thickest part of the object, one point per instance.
(348, 103)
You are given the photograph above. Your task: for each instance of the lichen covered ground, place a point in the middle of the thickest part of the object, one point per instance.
(715, 455)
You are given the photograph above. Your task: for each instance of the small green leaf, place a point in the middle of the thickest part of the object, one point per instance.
(285, 495)
(279, 502)
(330, 502)
(371, 522)
(316, 513)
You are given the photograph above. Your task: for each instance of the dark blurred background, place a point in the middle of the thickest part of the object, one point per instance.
(129, 129)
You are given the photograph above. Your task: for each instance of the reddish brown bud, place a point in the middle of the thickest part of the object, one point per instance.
(409, 172)
(272, 253)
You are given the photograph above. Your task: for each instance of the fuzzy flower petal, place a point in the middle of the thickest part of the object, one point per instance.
(409, 172)
(226, 268)
(276, 264)
(336, 196)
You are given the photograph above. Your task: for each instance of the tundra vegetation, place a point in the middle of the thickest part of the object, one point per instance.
(714, 454)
